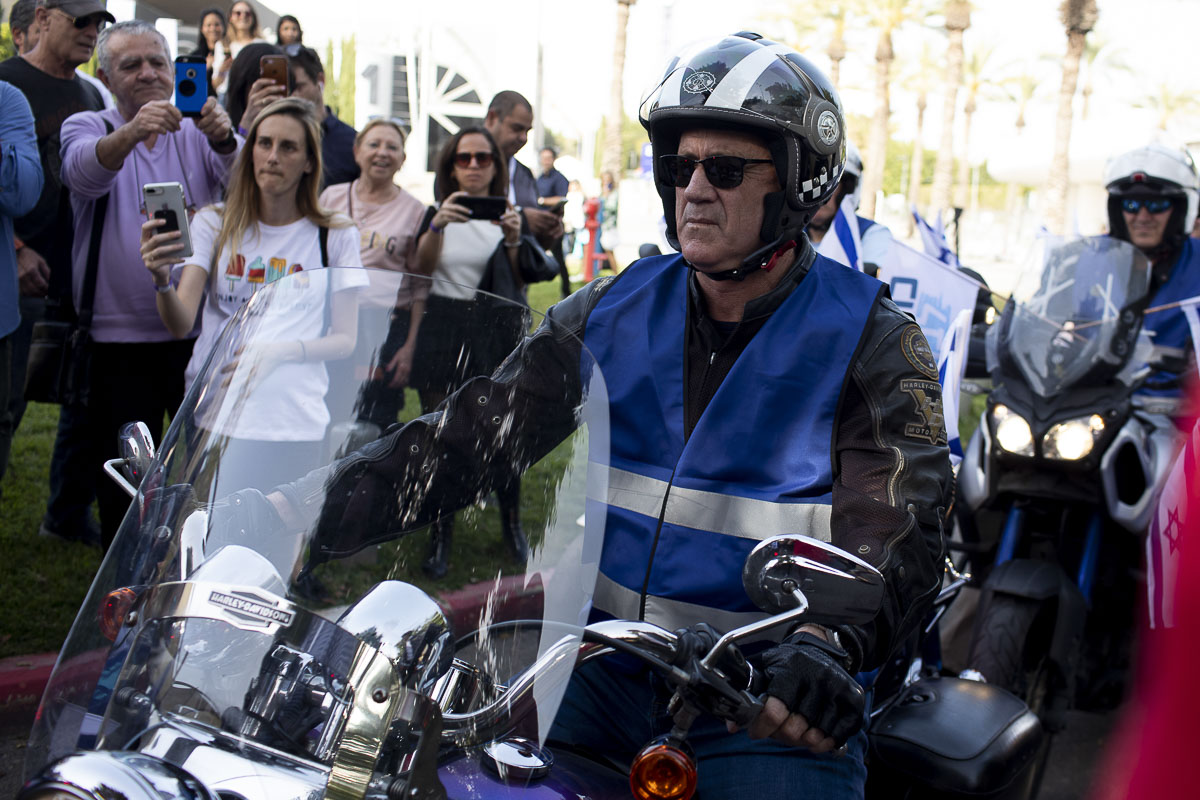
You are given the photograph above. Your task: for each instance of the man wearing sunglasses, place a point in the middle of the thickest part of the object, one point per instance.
(67, 32)
(754, 387)
(1153, 194)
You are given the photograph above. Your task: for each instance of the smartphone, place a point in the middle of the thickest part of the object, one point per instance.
(484, 207)
(165, 201)
(276, 68)
(191, 84)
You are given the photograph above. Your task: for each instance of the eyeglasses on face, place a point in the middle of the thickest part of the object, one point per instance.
(81, 23)
(483, 159)
(1155, 205)
(723, 172)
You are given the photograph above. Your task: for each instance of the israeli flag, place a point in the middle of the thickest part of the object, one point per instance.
(952, 365)
(933, 238)
(842, 241)
(1168, 527)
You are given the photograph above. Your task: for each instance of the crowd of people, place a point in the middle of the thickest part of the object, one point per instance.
(706, 441)
(271, 175)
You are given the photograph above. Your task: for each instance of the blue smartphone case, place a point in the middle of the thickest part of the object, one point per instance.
(191, 85)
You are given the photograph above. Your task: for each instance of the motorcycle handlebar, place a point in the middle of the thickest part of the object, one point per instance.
(657, 646)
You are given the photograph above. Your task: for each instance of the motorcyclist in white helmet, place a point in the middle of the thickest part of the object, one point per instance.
(1153, 194)
(870, 248)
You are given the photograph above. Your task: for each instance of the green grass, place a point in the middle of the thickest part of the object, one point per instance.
(44, 580)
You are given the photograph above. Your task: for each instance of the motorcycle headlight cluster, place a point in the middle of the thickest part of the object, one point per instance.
(1073, 439)
(1012, 431)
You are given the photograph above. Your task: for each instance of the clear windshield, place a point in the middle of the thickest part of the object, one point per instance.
(1073, 310)
(269, 589)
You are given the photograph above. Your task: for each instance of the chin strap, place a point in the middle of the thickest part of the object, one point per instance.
(742, 272)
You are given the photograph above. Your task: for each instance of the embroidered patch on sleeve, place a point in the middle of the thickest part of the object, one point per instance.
(930, 425)
(916, 351)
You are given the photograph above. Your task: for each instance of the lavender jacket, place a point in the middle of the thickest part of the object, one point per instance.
(124, 309)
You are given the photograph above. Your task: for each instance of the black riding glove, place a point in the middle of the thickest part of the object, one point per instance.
(808, 675)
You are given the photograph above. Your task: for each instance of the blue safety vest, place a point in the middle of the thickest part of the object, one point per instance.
(1170, 327)
(681, 517)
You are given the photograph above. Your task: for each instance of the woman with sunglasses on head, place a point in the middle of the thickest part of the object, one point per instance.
(270, 225)
(388, 219)
(214, 47)
(466, 253)
(243, 27)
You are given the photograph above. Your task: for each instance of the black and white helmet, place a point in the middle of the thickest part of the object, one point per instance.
(1155, 170)
(746, 82)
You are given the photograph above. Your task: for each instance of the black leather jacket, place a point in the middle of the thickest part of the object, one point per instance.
(890, 461)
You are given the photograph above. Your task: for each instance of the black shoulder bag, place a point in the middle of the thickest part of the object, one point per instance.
(60, 353)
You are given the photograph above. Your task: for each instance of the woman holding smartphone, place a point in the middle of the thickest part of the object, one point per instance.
(270, 225)
(468, 253)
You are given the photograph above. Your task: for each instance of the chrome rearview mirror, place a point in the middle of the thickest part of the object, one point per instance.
(137, 453)
(785, 573)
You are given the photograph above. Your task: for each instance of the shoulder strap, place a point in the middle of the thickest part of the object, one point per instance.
(93, 256)
(323, 238)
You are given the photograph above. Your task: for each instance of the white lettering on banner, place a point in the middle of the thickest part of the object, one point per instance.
(933, 292)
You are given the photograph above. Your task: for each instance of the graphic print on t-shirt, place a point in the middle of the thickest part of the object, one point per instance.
(258, 274)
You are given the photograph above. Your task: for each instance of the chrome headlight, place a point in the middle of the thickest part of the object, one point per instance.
(1073, 439)
(1012, 431)
(98, 775)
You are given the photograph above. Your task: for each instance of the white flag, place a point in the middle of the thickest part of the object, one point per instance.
(934, 293)
(842, 242)
(1166, 534)
(952, 363)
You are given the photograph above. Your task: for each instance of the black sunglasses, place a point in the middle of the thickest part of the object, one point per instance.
(1155, 205)
(81, 23)
(723, 172)
(483, 159)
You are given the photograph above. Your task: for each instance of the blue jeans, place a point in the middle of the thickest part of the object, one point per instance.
(610, 711)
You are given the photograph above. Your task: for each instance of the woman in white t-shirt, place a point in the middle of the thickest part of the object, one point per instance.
(271, 225)
(458, 339)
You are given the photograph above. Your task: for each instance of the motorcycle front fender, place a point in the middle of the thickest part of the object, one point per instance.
(1047, 583)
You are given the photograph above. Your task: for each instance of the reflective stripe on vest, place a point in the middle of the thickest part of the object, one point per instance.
(682, 517)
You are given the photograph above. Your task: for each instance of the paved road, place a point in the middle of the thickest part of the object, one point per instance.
(1068, 774)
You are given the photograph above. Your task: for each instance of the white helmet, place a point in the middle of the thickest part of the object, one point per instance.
(854, 167)
(1155, 170)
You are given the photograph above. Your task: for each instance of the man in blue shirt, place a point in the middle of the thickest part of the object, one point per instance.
(337, 138)
(20, 187)
(552, 194)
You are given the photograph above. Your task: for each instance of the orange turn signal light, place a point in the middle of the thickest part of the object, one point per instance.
(113, 609)
(663, 772)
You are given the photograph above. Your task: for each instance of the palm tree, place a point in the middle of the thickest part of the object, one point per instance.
(612, 159)
(1078, 18)
(1167, 102)
(836, 50)
(918, 80)
(1100, 58)
(886, 16)
(975, 82)
(807, 21)
(958, 19)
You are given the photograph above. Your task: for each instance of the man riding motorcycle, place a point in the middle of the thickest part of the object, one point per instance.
(874, 239)
(754, 387)
(1153, 194)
